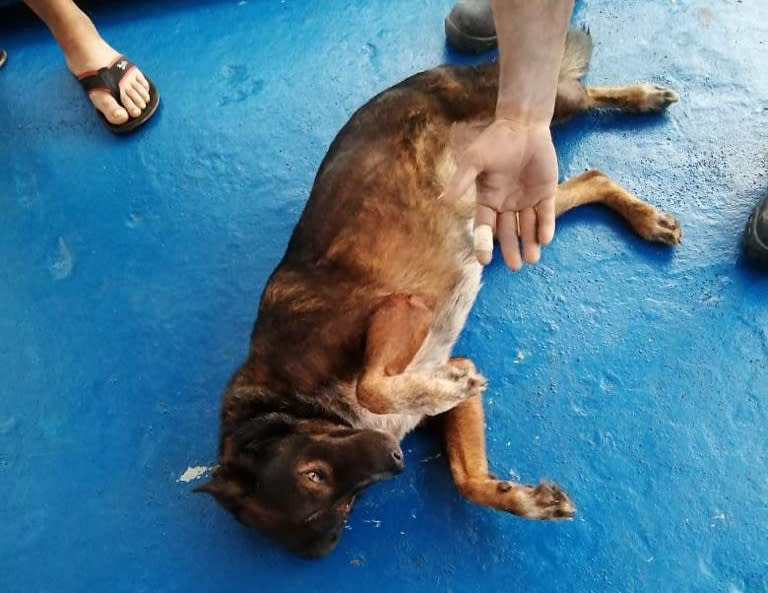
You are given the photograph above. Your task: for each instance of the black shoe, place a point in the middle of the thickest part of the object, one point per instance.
(756, 235)
(469, 26)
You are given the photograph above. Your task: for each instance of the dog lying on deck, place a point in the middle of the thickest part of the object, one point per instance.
(352, 345)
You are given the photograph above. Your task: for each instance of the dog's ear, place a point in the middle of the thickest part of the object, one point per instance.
(212, 487)
(227, 493)
(255, 435)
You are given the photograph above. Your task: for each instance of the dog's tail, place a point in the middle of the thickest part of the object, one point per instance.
(578, 51)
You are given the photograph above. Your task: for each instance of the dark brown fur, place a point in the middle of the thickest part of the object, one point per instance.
(352, 342)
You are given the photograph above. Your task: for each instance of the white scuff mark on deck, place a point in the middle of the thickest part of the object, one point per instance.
(62, 266)
(718, 516)
(193, 472)
(374, 522)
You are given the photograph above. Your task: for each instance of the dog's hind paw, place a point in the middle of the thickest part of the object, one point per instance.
(545, 501)
(654, 225)
(655, 98)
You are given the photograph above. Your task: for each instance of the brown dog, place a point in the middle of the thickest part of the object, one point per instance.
(352, 345)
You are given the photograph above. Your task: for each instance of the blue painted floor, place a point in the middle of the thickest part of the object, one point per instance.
(130, 271)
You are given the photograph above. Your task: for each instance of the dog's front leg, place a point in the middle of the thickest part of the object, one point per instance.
(395, 334)
(465, 444)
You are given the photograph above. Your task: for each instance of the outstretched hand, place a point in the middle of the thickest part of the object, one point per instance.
(514, 167)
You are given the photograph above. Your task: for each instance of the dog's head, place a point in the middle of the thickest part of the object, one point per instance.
(295, 480)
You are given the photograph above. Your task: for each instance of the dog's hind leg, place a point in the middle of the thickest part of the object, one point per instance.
(574, 98)
(465, 444)
(646, 220)
(639, 98)
(395, 334)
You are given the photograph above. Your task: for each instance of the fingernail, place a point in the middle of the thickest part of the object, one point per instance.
(441, 196)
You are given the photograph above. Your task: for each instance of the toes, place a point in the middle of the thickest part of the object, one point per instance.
(142, 81)
(137, 99)
(458, 372)
(656, 98)
(669, 231)
(128, 102)
(553, 501)
(141, 90)
(668, 95)
(110, 108)
(464, 363)
(477, 384)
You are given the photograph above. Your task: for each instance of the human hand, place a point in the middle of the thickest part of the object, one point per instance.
(514, 166)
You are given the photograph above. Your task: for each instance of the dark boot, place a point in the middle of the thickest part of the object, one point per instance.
(756, 235)
(469, 26)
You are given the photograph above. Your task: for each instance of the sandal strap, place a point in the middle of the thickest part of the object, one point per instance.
(107, 78)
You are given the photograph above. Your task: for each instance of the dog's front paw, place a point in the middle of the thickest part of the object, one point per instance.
(468, 381)
(455, 383)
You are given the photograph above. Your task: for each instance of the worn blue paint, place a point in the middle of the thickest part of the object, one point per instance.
(131, 267)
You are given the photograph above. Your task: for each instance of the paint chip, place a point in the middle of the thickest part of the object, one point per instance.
(193, 473)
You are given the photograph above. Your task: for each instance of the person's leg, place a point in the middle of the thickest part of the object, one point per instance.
(86, 51)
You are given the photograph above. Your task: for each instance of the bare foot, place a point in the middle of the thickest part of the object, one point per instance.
(95, 53)
(86, 52)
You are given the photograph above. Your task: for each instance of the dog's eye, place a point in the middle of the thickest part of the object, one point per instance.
(315, 476)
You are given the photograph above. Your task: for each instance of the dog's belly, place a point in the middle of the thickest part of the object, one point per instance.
(450, 320)
(435, 351)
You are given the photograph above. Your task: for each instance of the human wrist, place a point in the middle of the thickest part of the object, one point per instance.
(528, 114)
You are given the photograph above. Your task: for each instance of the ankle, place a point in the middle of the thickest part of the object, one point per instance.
(76, 35)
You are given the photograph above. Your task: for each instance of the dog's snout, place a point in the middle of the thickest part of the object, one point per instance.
(397, 458)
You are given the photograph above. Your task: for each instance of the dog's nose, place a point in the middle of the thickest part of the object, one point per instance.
(397, 458)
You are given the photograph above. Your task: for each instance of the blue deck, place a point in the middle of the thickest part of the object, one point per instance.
(130, 270)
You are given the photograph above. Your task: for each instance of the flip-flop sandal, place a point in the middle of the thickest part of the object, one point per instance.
(756, 235)
(108, 79)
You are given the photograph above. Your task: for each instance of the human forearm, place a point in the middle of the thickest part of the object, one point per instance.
(531, 37)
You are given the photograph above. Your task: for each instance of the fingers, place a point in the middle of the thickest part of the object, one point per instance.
(485, 223)
(512, 229)
(545, 216)
(506, 233)
(461, 181)
(528, 235)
